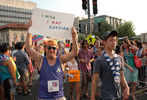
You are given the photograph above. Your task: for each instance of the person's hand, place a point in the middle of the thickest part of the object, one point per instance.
(29, 23)
(82, 60)
(126, 93)
(131, 69)
(74, 33)
(127, 39)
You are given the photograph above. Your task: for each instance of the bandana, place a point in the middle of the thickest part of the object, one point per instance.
(114, 65)
(50, 42)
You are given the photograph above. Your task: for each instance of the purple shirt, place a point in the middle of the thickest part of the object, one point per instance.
(86, 55)
(48, 73)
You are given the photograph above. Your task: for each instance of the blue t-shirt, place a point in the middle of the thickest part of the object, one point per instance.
(22, 61)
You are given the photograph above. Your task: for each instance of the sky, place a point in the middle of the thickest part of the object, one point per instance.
(128, 10)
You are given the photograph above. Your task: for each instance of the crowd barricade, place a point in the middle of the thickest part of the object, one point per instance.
(142, 73)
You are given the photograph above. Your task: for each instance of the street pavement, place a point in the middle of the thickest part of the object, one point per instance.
(141, 94)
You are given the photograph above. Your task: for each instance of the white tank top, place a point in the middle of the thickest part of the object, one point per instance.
(72, 66)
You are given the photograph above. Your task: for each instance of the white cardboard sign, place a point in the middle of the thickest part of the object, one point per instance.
(52, 24)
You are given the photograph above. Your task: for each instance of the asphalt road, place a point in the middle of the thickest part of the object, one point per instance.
(34, 93)
(141, 94)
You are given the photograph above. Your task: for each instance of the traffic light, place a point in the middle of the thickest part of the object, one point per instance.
(94, 7)
(84, 4)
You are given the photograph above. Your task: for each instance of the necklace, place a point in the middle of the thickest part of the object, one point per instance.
(115, 66)
(126, 56)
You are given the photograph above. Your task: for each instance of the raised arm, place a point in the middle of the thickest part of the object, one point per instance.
(67, 57)
(132, 46)
(33, 54)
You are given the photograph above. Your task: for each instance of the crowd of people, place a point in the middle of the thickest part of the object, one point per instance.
(107, 63)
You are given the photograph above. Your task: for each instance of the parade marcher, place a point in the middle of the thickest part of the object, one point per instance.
(41, 49)
(61, 49)
(131, 72)
(51, 67)
(23, 65)
(31, 73)
(85, 58)
(73, 66)
(7, 72)
(95, 49)
(107, 67)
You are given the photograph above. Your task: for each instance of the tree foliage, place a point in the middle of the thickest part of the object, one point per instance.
(126, 29)
(81, 37)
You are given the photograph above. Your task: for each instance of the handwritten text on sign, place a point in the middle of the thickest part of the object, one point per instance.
(76, 74)
(51, 24)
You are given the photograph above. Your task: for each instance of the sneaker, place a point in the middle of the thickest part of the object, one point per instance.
(27, 92)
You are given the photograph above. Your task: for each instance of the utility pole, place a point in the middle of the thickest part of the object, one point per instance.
(88, 24)
(86, 7)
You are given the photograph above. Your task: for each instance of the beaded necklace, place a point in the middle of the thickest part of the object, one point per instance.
(115, 66)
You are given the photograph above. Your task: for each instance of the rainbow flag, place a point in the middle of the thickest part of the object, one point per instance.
(37, 38)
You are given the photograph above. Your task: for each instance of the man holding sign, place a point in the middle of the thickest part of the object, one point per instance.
(51, 67)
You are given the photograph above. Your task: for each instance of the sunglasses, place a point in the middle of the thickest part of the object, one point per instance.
(54, 48)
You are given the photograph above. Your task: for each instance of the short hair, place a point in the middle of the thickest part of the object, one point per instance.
(117, 50)
(20, 45)
(139, 44)
(4, 48)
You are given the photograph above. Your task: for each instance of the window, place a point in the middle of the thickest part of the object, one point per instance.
(14, 36)
(22, 37)
(7, 37)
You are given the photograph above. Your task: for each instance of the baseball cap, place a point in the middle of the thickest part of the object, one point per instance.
(109, 33)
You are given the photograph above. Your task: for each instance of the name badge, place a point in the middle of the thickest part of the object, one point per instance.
(53, 86)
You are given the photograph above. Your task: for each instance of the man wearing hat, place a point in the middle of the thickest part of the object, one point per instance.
(51, 67)
(108, 68)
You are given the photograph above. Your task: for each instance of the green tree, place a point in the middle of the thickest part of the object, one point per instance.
(81, 37)
(126, 29)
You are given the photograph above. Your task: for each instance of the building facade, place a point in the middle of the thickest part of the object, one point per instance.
(77, 23)
(95, 23)
(15, 11)
(10, 32)
(112, 20)
(14, 16)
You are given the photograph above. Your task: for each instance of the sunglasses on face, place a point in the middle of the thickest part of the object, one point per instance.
(54, 48)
